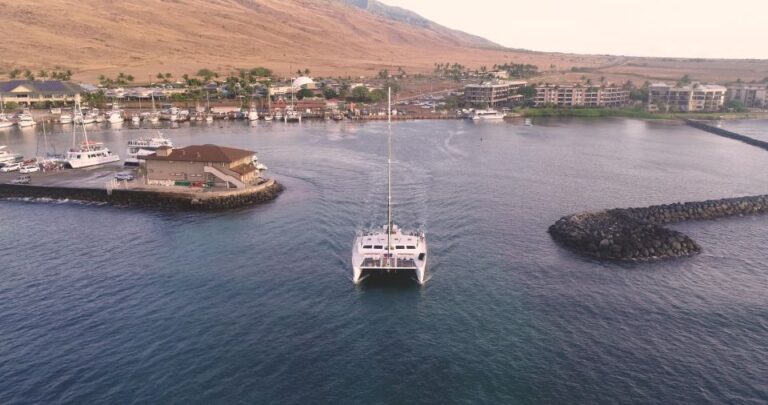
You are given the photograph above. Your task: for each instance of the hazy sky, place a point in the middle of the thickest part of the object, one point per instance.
(687, 28)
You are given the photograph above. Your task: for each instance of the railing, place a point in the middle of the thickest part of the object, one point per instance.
(224, 176)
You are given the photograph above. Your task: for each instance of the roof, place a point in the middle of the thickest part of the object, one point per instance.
(41, 86)
(205, 153)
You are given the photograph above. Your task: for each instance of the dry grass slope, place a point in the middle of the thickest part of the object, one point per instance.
(143, 37)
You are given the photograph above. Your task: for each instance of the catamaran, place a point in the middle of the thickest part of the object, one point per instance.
(88, 153)
(389, 250)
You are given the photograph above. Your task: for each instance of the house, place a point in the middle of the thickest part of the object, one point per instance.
(751, 95)
(210, 165)
(26, 92)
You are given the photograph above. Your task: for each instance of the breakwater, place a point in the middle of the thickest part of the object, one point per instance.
(177, 199)
(727, 134)
(638, 234)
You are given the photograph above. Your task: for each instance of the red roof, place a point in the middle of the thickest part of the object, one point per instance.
(204, 153)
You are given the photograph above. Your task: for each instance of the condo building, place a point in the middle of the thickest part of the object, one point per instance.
(579, 95)
(694, 97)
(751, 95)
(493, 94)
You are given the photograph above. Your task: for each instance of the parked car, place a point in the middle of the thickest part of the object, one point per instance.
(124, 177)
(11, 167)
(29, 169)
(25, 179)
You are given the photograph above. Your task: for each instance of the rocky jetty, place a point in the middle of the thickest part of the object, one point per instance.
(637, 234)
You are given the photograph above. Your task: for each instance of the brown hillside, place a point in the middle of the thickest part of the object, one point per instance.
(143, 37)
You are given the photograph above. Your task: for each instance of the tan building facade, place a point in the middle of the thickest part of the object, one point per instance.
(493, 94)
(209, 165)
(26, 92)
(751, 95)
(695, 97)
(580, 96)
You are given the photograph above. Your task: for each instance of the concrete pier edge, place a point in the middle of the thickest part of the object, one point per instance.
(171, 199)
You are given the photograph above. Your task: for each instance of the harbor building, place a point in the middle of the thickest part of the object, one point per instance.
(694, 97)
(579, 95)
(26, 92)
(202, 165)
(751, 95)
(493, 94)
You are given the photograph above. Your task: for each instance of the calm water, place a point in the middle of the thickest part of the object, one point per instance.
(110, 305)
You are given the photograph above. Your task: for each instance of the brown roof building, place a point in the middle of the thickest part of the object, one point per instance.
(210, 165)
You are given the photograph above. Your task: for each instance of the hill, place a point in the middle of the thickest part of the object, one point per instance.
(330, 37)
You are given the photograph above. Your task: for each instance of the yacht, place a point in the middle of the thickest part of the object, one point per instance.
(489, 114)
(141, 147)
(65, 118)
(389, 250)
(170, 114)
(115, 116)
(26, 120)
(87, 153)
(292, 115)
(5, 122)
(253, 115)
(7, 157)
(85, 118)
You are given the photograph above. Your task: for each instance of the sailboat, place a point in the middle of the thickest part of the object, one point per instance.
(389, 251)
(87, 153)
(154, 118)
(208, 114)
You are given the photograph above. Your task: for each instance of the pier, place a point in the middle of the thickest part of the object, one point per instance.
(97, 185)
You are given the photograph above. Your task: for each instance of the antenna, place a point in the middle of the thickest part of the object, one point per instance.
(389, 171)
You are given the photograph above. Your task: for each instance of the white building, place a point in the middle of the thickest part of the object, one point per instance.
(694, 97)
(493, 94)
(580, 95)
(751, 95)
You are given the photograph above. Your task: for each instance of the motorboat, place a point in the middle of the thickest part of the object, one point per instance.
(25, 120)
(142, 147)
(8, 157)
(87, 153)
(489, 115)
(389, 251)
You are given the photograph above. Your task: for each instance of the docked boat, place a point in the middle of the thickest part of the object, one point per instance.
(26, 120)
(170, 114)
(5, 122)
(87, 153)
(65, 118)
(292, 115)
(135, 120)
(389, 251)
(115, 116)
(142, 147)
(489, 114)
(8, 157)
(253, 115)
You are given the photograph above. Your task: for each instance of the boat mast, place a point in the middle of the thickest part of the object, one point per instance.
(389, 172)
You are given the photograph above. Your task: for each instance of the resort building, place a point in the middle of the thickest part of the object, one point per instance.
(26, 92)
(694, 97)
(579, 95)
(493, 94)
(751, 95)
(202, 165)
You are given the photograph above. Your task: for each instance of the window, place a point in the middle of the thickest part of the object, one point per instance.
(378, 247)
(367, 246)
(399, 247)
(411, 247)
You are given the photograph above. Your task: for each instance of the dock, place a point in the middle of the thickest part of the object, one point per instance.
(98, 185)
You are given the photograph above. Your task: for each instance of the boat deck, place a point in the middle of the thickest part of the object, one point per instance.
(388, 264)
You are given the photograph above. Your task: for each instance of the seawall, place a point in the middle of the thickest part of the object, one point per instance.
(637, 233)
(727, 134)
(178, 200)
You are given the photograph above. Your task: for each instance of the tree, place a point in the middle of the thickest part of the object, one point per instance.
(261, 72)
(736, 105)
(684, 80)
(29, 75)
(42, 73)
(528, 92)
(377, 95)
(306, 71)
(329, 93)
(383, 74)
(206, 74)
(359, 94)
(160, 76)
(14, 73)
(304, 93)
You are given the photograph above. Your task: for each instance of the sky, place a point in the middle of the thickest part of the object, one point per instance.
(682, 28)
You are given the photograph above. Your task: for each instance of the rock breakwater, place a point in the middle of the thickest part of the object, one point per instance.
(637, 234)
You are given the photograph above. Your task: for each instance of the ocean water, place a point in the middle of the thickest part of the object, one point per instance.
(109, 305)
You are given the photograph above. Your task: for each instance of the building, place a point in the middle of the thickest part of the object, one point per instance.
(493, 94)
(579, 95)
(26, 92)
(209, 165)
(694, 97)
(751, 95)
